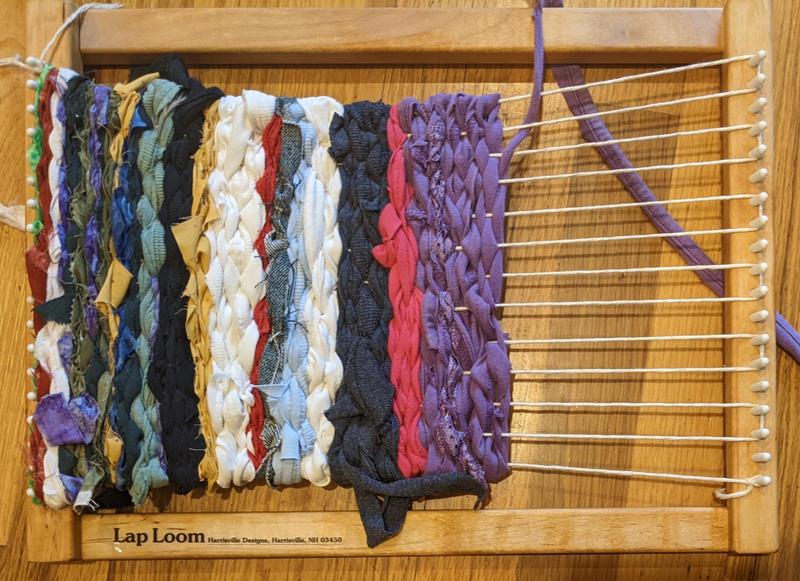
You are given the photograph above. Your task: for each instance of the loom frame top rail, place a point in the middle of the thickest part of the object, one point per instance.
(394, 36)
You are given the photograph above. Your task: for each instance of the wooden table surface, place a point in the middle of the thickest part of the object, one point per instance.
(540, 490)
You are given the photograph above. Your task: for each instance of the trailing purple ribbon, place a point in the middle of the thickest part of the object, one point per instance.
(580, 102)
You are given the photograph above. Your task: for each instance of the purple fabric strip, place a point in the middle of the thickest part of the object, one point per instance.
(535, 106)
(474, 190)
(98, 113)
(63, 199)
(65, 422)
(456, 184)
(445, 397)
(581, 103)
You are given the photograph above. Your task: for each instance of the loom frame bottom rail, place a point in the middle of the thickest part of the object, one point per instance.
(581, 36)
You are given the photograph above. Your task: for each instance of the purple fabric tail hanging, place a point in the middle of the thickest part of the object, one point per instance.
(580, 102)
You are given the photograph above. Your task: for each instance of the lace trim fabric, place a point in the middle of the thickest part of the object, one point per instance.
(455, 179)
(442, 378)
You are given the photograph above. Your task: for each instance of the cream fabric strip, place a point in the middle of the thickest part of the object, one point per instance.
(234, 277)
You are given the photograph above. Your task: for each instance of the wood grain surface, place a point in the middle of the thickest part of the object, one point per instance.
(413, 36)
(524, 489)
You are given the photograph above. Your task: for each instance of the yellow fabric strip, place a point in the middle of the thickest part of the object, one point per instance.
(195, 250)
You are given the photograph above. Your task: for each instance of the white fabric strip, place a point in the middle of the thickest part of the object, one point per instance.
(46, 347)
(234, 277)
(323, 248)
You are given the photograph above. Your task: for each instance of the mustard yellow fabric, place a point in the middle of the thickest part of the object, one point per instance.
(195, 250)
(129, 98)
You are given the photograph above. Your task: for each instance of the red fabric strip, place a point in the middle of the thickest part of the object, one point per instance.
(399, 253)
(271, 140)
(37, 261)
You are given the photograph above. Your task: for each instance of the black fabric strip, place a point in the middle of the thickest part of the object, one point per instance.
(364, 449)
(171, 373)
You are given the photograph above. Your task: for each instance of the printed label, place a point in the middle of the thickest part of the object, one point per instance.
(157, 536)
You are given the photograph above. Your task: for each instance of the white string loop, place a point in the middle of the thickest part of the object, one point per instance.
(750, 483)
(45, 56)
(34, 65)
(16, 61)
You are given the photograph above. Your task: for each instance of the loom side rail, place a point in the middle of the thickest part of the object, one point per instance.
(370, 36)
(754, 518)
(52, 535)
(427, 532)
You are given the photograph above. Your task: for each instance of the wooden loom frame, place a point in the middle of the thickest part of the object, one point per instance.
(401, 36)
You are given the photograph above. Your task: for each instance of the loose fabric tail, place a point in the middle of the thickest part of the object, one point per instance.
(535, 106)
(594, 129)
